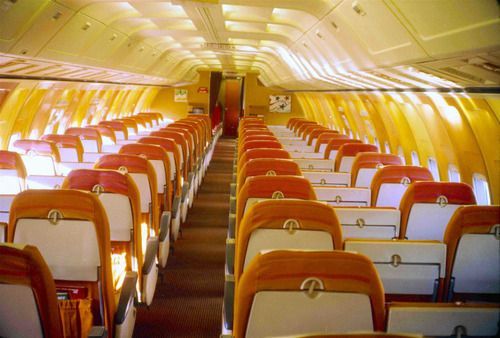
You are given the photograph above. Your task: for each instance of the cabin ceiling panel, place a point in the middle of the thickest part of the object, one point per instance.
(50, 20)
(15, 19)
(382, 35)
(450, 27)
(322, 44)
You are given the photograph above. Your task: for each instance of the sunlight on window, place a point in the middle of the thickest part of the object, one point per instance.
(414, 158)
(13, 138)
(433, 168)
(481, 189)
(401, 155)
(387, 147)
(453, 173)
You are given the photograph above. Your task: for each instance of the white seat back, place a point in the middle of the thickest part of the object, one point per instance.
(160, 174)
(341, 196)
(443, 320)
(333, 154)
(369, 223)
(112, 148)
(314, 164)
(318, 156)
(11, 183)
(405, 267)
(70, 247)
(68, 154)
(364, 178)
(325, 178)
(92, 157)
(181, 155)
(19, 312)
(345, 164)
(390, 194)
(66, 167)
(39, 165)
(283, 239)
(294, 313)
(131, 131)
(173, 169)
(90, 146)
(299, 148)
(119, 212)
(120, 135)
(44, 182)
(429, 220)
(5, 203)
(477, 264)
(142, 182)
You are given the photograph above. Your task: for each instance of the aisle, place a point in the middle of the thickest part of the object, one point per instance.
(189, 301)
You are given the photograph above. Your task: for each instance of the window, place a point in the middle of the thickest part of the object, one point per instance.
(13, 138)
(453, 173)
(401, 154)
(377, 143)
(387, 147)
(481, 190)
(414, 158)
(433, 167)
(366, 140)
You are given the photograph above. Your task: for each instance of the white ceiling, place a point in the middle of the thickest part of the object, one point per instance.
(295, 44)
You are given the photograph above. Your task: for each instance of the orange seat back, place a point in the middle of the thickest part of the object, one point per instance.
(287, 271)
(25, 266)
(72, 205)
(267, 166)
(66, 141)
(351, 150)
(372, 160)
(274, 214)
(273, 187)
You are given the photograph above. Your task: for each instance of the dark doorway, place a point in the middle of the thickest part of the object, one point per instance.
(232, 106)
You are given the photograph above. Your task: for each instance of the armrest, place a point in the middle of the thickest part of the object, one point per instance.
(150, 256)
(98, 332)
(185, 189)
(191, 176)
(232, 205)
(127, 294)
(175, 205)
(166, 216)
(230, 243)
(228, 305)
(231, 228)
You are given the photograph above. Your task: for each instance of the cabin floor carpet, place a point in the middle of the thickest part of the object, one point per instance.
(188, 303)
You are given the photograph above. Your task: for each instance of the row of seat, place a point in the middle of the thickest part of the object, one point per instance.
(102, 234)
(275, 208)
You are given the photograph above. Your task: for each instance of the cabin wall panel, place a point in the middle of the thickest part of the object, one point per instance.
(353, 105)
(257, 101)
(376, 120)
(485, 127)
(11, 109)
(423, 142)
(445, 152)
(466, 147)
